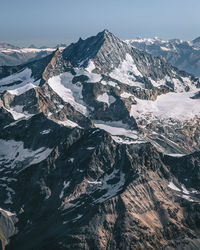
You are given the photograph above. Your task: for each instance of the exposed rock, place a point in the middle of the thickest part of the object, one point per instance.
(71, 184)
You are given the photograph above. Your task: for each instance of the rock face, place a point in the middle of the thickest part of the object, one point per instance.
(91, 150)
(182, 54)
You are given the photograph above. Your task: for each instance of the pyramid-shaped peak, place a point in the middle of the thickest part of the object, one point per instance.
(106, 34)
(81, 52)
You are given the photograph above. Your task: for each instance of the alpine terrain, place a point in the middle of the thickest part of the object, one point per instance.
(13, 55)
(182, 54)
(99, 149)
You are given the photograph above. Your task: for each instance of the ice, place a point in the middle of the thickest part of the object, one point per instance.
(176, 155)
(177, 106)
(187, 198)
(127, 141)
(71, 160)
(165, 48)
(45, 132)
(14, 155)
(27, 82)
(110, 83)
(68, 123)
(116, 128)
(185, 191)
(111, 189)
(109, 99)
(173, 186)
(90, 148)
(122, 73)
(23, 89)
(91, 66)
(95, 182)
(126, 95)
(18, 113)
(65, 185)
(92, 77)
(69, 92)
(7, 212)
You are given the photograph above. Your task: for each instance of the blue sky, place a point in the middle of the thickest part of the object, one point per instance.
(50, 22)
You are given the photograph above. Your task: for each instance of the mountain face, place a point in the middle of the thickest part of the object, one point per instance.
(184, 55)
(196, 42)
(12, 55)
(99, 149)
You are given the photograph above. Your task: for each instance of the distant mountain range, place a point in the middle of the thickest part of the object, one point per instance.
(184, 55)
(99, 149)
(12, 55)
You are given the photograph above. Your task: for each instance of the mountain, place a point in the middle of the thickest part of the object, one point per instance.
(8, 46)
(182, 54)
(99, 150)
(13, 55)
(196, 42)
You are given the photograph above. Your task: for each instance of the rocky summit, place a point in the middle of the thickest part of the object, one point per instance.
(99, 149)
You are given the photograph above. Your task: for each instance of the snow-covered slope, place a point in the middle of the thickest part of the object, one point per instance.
(105, 80)
(82, 137)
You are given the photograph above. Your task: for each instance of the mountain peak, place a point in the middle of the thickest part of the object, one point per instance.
(96, 48)
(196, 42)
(105, 33)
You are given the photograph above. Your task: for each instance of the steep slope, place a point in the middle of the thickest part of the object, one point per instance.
(114, 85)
(184, 55)
(196, 42)
(82, 137)
(95, 192)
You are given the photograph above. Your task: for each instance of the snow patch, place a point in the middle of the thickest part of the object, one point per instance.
(185, 191)
(18, 113)
(111, 189)
(65, 185)
(25, 79)
(173, 186)
(187, 198)
(45, 132)
(176, 155)
(71, 160)
(116, 128)
(126, 72)
(110, 83)
(177, 106)
(92, 77)
(14, 155)
(91, 66)
(69, 92)
(125, 95)
(90, 148)
(109, 99)
(68, 123)
(7, 212)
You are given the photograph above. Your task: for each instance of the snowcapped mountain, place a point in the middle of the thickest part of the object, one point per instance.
(13, 55)
(184, 55)
(99, 140)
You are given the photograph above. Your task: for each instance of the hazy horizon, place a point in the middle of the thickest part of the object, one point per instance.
(49, 23)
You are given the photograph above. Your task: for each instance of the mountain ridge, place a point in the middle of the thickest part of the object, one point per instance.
(184, 55)
(106, 151)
